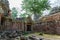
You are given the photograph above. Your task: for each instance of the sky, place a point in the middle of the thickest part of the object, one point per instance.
(17, 4)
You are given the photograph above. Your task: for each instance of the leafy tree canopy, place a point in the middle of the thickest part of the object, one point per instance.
(35, 6)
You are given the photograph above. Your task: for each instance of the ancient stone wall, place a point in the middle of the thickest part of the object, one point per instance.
(18, 26)
(49, 24)
(45, 27)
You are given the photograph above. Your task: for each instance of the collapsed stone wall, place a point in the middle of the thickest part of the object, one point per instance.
(49, 24)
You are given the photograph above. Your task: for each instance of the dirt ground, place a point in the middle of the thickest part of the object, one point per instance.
(46, 36)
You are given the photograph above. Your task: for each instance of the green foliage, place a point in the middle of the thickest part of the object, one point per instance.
(35, 6)
(23, 15)
(25, 33)
(14, 12)
(41, 33)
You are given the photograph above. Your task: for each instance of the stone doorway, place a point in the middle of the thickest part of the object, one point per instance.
(28, 27)
(2, 18)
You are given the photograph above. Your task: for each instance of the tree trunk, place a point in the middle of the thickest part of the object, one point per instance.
(36, 17)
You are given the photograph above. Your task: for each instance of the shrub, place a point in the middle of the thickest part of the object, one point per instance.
(41, 33)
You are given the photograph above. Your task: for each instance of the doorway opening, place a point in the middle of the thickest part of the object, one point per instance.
(2, 20)
(28, 27)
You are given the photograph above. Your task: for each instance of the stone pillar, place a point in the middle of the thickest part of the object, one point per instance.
(1, 14)
(0, 19)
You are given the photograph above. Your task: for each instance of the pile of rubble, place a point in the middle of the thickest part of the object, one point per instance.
(10, 34)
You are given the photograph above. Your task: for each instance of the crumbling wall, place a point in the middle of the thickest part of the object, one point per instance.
(49, 24)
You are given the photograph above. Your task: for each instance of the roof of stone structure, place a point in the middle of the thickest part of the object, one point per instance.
(52, 17)
(19, 18)
(55, 10)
